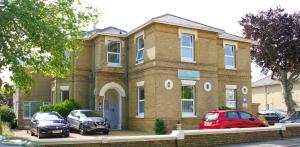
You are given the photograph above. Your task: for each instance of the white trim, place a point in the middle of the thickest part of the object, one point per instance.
(231, 86)
(192, 47)
(112, 85)
(64, 88)
(140, 83)
(188, 83)
(108, 39)
(244, 90)
(187, 31)
(230, 43)
(119, 54)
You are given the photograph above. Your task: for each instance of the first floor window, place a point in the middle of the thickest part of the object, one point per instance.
(187, 47)
(30, 108)
(188, 101)
(230, 56)
(114, 53)
(140, 49)
(64, 95)
(231, 98)
(141, 101)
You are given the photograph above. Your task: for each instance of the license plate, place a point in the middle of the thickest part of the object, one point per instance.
(100, 127)
(57, 131)
(207, 123)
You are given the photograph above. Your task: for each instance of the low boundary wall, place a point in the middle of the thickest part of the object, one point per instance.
(181, 138)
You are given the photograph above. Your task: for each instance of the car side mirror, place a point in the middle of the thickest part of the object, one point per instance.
(78, 116)
(251, 119)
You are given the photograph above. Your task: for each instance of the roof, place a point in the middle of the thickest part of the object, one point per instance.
(171, 20)
(264, 82)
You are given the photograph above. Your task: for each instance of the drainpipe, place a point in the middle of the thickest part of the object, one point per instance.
(126, 83)
(93, 79)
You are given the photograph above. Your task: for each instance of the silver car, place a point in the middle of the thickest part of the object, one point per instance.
(86, 121)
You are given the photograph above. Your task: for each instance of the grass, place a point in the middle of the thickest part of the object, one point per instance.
(6, 130)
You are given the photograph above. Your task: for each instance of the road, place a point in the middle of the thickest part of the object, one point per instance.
(292, 142)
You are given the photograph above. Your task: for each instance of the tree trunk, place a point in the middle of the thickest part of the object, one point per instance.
(287, 87)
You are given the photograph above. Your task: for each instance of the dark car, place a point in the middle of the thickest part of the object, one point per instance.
(272, 116)
(222, 119)
(48, 124)
(293, 118)
(87, 121)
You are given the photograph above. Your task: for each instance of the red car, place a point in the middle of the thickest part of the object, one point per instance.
(221, 119)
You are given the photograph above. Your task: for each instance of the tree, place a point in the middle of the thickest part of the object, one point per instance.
(36, 36)
(277, 47)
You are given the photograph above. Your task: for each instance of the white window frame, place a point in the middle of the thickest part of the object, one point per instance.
(139, 61)
(231, 43)
(64, 88)
(186, 59)
(119, 54)
(234, 88)
(139, 85)
(43, 103)
(188, 114)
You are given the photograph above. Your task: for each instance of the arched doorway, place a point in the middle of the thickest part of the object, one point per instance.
(112, 106)
(112, 94)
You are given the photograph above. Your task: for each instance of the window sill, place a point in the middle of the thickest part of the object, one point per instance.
(230, 68)
(189, 116)
(188, 61)
(139, 116)
(114, 65)
(140, 62)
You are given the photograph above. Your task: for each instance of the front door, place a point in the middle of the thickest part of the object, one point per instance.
(111, 108)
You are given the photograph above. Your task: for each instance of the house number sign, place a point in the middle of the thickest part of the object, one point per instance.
(168, 84)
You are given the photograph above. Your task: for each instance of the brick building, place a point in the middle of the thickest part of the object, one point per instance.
(170, 68)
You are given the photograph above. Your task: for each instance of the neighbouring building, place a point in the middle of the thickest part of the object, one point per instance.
(170, 68)
(268, 94)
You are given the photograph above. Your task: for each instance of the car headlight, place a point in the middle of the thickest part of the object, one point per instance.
(88, 123)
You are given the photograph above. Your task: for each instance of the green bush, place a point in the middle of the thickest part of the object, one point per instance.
(63, 108)
(224, 108)
(8, 115)
(160, 127)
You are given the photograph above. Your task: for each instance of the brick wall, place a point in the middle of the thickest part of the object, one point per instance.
(185, 138)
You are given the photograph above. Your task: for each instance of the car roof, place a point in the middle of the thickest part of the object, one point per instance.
(223, 111)
(84, 110)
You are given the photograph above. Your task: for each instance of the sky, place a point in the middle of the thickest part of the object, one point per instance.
(223, 14)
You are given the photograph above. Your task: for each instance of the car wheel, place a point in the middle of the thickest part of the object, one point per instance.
(67, 135)
(82, 130)
(106, 132)
(31, 133)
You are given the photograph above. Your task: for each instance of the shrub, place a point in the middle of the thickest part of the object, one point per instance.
(224, 108)
(7, 115)
(63, 108)
(160, 127)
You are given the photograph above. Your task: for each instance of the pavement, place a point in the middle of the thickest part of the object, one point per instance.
(24, 134)
(291, 142)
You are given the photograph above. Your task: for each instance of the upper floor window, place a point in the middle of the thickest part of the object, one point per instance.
(230, 56)
(114, 53)
(187, 47)
(140, 49)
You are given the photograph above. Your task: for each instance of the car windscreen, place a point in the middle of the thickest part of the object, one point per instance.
(211, 116)
(89, 114)
(295, 115)
(48, 116)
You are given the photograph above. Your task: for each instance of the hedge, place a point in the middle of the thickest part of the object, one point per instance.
(63, 108)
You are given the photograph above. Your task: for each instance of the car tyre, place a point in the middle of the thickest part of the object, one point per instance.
(31, 133)
(106, 132)
(82, 130)
(39, 135)
(67, 135)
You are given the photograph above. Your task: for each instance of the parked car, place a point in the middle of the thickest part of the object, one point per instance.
(293, 118)
(48, 124)
(272, 116)
(87, 121)
(220, 119)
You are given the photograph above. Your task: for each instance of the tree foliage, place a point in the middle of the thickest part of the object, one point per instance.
(277, 48)
(35, 35)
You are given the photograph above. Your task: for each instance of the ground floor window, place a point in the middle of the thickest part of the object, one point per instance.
(231, 98)
(188, 100)
(141, 100)
(64, 95)
(30, 108)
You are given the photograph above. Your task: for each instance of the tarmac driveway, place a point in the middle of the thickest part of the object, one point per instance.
(26, 135)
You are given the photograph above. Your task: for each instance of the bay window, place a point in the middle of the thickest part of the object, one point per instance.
(114, 53)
